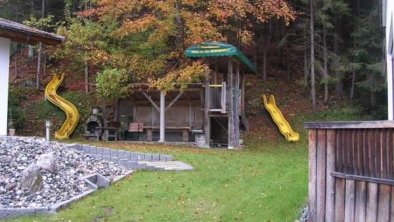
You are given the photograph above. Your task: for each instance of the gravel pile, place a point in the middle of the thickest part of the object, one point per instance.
(36, 173)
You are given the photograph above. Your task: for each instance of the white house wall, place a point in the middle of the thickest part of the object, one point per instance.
(4, 75)
(389, 55)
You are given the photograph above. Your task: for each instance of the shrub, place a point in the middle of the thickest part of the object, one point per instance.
(16, 114)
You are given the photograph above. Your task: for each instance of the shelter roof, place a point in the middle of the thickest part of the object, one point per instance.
(22, 33)
(219, 49)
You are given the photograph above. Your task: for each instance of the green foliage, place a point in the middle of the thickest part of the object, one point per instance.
(347, 113)
(16, 114)
(41, 23)
(112, 84)
(46, 110)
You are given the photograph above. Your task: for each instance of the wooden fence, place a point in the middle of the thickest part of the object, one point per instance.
(351, 171)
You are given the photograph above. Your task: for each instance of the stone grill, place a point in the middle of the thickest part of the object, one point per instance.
(92, 127)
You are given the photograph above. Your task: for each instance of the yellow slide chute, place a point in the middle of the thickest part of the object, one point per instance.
(280, 121)
(72, 114)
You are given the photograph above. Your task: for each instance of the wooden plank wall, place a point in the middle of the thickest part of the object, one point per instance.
(351, 174)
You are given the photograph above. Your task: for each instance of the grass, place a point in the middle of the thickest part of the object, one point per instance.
(265, 182)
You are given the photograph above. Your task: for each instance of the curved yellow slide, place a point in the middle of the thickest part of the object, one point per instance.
(280, 121)
(72, 114)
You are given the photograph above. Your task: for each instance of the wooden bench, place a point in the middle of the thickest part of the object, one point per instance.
(185, 131)
(108, 133)
(135, 127)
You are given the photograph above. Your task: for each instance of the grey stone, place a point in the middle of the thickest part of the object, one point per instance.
(47, 162)
(31, 180)
(11, 186)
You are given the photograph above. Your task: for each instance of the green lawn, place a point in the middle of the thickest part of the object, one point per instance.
(265, 182)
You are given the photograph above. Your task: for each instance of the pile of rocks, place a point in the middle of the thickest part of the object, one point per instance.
(36, 173)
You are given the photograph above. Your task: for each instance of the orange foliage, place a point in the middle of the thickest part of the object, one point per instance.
(169, 26)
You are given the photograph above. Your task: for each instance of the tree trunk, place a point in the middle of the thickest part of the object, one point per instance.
(86, 77)
(325, 65)
(38, 75)
(306, 69)
(338, 75)
(38, 66)
(264, 65)
(312, 30)
(16, 62)
(353, 82)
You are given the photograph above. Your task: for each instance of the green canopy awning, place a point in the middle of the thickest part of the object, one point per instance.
(218, 49)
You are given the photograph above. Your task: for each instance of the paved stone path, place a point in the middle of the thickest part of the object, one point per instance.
(168, 165)
(134, 160)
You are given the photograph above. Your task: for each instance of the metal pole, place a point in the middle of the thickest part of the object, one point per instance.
(48, 125)
(162, 116)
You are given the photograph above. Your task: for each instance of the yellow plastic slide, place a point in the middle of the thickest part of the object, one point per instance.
(72, 114)
(280, 121)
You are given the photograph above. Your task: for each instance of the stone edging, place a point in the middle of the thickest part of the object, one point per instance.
(130, 160)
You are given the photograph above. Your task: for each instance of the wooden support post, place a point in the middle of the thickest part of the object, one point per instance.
(207, 121)
(185, 135)
(231, 104)
(242, 94)
(236, 103)
(162, 115)
(149, 134)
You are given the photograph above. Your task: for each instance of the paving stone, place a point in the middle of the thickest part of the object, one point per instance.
(133, 157)
(114, 153)
(168, 165)
(75, 146)
(141, 157)
(99, 151)
(123, 154)
(93, 150)
(147, 157)
(155, 157)
(85, 148)
(106, 152)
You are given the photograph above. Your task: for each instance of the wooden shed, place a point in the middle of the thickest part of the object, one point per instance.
(16, 32)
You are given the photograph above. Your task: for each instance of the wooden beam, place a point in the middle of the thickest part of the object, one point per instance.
(174, 100)
(223, 98)
(151, 101)
(230, 104)
(207, 121)
(380, 124)
(236, 103)
(162, 115)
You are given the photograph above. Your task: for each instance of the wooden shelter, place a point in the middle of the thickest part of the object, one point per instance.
(211, 112)
(226, 99)
(16, 32)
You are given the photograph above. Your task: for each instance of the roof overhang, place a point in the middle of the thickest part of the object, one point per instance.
(219, 49)
(24, 34)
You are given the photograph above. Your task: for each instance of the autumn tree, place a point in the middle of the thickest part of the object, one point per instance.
(148, 37)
